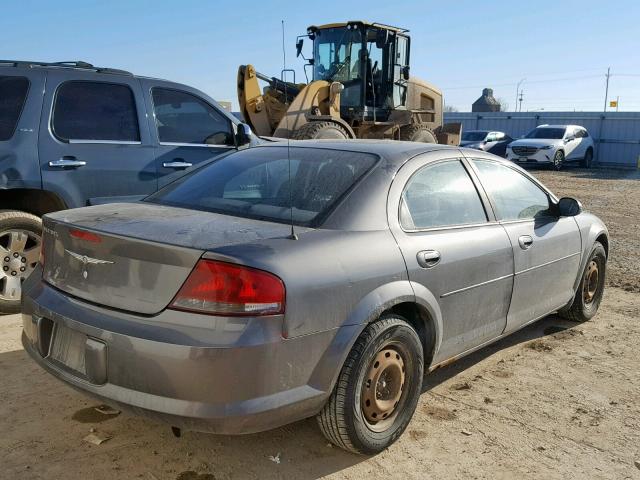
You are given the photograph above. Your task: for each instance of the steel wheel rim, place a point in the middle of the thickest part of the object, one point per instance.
(383, 388)
(591, 282)
(19, 253)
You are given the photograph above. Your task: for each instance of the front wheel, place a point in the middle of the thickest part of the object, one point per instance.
(377, 390)
(558, 160)
(591, 288)
(588, 159)
(20, 237)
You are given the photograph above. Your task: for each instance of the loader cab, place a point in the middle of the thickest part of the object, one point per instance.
(371, 61)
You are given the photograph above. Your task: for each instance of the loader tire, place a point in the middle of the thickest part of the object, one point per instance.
(417, 132)
(319, 131)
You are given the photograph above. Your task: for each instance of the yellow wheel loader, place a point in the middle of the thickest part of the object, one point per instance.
(360, 88)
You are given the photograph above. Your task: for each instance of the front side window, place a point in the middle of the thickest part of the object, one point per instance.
(13, 94)
(185, 118)
(95, 111)
(474, 136)
(514, 195)
(440, 195)
(263, 183)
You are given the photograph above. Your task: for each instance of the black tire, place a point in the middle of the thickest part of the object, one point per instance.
(558, 160)
(16, 222)
(320, 130)
(417, 132)
(587, 300)
(342, 420)
(588, 158)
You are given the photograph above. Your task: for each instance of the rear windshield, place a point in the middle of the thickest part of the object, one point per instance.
(13, 93)
(546, 132)
(473, 136)
(254, 183)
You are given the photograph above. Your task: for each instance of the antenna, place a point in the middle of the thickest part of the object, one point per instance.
(292, 235)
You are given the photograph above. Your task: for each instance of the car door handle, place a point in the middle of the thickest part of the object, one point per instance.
(525, 241)
(428, 258)
(67, 162)
(177, 164)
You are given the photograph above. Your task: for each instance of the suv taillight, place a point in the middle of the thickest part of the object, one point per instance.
(220, 288)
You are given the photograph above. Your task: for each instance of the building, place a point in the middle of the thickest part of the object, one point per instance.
(486, 103)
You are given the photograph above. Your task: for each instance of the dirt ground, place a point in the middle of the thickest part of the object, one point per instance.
(555, 400)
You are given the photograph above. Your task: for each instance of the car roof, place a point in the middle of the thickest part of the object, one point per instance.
(559, 126)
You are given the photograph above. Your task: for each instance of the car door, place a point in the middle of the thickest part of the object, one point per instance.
(546, 248)
(94, 144)
(581, 143)
(571, 144)
(187, 128)
(455, 252)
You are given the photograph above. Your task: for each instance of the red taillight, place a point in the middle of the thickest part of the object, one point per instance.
(220, 288)
(84, 235)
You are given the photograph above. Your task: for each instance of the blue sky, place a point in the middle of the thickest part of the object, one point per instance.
(562, 48)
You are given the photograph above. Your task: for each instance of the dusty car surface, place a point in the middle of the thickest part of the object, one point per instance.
(199, 307)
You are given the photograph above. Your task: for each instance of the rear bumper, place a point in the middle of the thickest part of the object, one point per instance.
(236, 376)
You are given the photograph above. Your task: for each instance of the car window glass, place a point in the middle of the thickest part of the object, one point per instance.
(491, 137)
(257, 183)
(514, 195)
(585, 134)
(185, 118)
(440, 195)
(13, 93)
(95, 111)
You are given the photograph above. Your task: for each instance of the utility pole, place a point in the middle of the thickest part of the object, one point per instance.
(520, 100)
(515, 105)
(617, 102)
(606, 90)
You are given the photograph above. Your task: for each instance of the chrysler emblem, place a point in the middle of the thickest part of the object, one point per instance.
(86, 261)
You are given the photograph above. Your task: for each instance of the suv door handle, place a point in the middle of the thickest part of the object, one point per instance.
(177, 164)
(428, 258)
(525, 241)
(67, 162)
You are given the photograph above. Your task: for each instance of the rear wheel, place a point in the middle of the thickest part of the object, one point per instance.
(558, 160)
(417, 132)
(591, 287)
(20, 238)
(588, 158)
(320, 130)
(377, 390)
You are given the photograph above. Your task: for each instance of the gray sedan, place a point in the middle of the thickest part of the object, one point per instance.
(322, 279)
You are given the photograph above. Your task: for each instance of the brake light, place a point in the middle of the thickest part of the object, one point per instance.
(220, 288)
(84, 235)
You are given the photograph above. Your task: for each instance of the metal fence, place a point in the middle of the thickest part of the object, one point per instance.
(616, 134)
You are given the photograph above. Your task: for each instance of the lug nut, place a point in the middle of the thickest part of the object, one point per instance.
(5, 268)
(14, 273)
(24, 260)
(22, 269)
(16, 255)
(6, 259)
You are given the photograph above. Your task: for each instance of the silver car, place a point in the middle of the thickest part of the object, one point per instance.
(323, 279)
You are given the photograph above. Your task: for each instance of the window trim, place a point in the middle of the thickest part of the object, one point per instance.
(85, 141)
(490, 219)
(22, 107)
(550, 196)
(182, 144)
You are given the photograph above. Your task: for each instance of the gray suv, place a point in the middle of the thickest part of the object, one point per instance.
(72, 135)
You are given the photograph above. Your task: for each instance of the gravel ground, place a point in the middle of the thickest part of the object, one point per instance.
(554, 400)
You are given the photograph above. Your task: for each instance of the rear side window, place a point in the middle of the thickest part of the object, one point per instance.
(514, 195)
(254, 183)
(95, 111)
(13, 94)
(185, 118)
(440, 195)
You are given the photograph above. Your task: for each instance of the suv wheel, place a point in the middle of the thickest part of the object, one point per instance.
(20, 238)
(558, 160)
(377, 390)
(588, 158)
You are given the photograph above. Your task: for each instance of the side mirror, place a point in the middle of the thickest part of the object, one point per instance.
(568, 207)
(382, 38)
(405, 72)
(243, 134)
(299, 44)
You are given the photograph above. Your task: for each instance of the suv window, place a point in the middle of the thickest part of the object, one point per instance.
(440, 195)
(514, 195)
(185, 118)
(95, 111)
(13, 93)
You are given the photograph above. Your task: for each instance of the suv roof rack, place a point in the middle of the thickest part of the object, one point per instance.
(71, 64)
